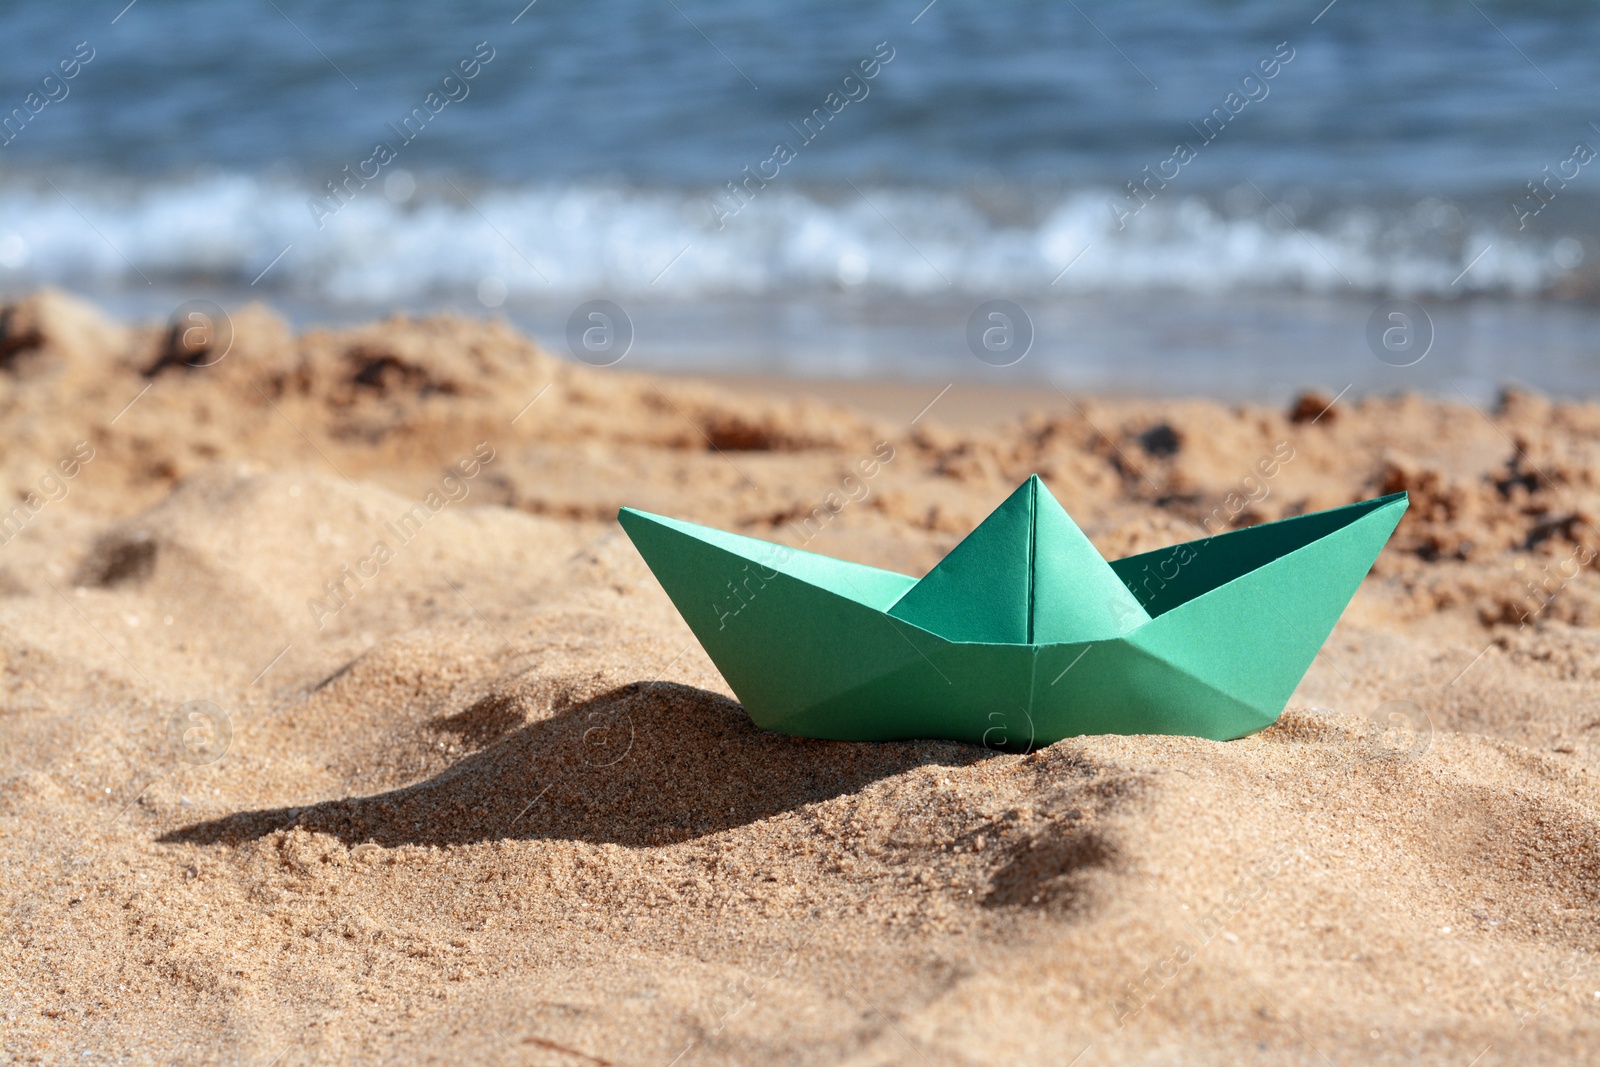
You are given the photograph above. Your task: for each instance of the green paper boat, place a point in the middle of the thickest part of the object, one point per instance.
(1023, 634)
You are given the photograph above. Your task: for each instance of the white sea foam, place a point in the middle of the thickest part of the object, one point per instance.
(559, 241)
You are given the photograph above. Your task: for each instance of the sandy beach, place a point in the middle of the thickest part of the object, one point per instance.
(342, 723)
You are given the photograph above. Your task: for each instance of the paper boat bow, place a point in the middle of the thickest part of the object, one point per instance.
(1023, 634)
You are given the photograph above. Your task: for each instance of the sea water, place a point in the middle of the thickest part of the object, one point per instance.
(1179, 197)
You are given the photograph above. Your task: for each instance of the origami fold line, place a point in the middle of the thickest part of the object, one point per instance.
(1023, 634)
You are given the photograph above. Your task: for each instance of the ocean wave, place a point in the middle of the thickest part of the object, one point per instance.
(415, 238)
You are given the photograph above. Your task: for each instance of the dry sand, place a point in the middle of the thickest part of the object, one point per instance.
(498, 807)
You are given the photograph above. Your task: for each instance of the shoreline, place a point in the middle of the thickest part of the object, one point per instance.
(1239, 347)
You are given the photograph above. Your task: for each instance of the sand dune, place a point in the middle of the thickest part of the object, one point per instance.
(270, 794)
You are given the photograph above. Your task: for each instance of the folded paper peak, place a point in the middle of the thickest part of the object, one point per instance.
(1024, 633)
(1027, 575)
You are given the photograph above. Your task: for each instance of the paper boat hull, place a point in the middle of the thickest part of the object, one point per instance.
(808, 646)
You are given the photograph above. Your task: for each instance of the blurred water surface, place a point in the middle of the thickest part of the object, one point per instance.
(1297, 165)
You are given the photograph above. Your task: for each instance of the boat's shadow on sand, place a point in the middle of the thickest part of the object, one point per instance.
(650, 763)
